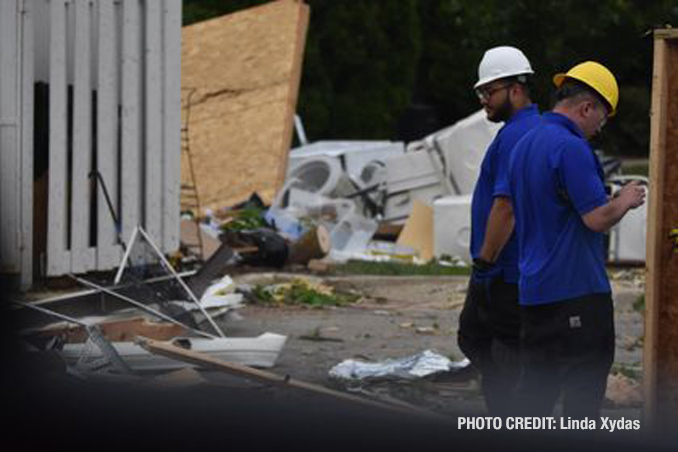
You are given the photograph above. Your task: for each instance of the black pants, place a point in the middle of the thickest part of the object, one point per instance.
(489, 335)
(567, 347)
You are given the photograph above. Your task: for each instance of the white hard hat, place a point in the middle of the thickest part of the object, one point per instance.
(500, 62)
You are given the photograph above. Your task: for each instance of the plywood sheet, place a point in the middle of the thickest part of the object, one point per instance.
(246, 70)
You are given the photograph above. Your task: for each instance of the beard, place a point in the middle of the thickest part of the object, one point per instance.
(502, 113)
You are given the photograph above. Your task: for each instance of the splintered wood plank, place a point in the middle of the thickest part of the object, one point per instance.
(204, 360)
(246, 68)
(661, 334)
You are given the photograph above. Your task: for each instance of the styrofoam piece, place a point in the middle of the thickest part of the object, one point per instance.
(452, 226)
(355, 162)
(464, 145)
(399, 206)
(260, 351)
(318, 206)
(319, 174)
(627, 238)
(355, 154)
(410, 171)
(373, 173)
(631, 231)
(352, 233)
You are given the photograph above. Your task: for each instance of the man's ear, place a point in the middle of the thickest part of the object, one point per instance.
(585, 108)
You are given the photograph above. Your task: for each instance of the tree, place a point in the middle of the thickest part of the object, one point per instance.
(366, 61)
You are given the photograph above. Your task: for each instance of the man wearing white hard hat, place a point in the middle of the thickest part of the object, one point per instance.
(489, 324)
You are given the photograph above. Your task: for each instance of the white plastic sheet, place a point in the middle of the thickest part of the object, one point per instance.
(412, 367)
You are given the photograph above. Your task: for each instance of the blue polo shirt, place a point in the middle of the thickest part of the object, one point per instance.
(492, 182)
(555, 178)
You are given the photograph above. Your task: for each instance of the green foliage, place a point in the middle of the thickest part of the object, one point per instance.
(629, 371)
(639, 304)
(301, 292)
(367, 61)
(246, 219)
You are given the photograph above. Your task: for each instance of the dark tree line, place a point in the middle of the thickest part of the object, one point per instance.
(399, 69)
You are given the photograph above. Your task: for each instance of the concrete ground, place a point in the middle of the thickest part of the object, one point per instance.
(401, 316)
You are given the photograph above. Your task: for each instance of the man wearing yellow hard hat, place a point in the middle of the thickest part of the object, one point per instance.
(561, 211)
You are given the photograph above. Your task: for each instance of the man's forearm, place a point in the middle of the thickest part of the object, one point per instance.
(499, 229)
(602, 218)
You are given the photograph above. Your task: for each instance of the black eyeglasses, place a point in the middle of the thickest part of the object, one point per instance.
(486, 93)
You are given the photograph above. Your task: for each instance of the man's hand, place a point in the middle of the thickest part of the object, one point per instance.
(632, 194)
(604, 217)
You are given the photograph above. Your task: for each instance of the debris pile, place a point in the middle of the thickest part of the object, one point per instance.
(148, 300)
(301, 291)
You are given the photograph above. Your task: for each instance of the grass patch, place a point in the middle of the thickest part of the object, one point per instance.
(303, 293)
(636, 168)
(639, 304)
(433, 268)
(626, 370)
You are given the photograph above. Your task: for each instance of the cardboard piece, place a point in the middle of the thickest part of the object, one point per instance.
(246, 70)
(189, 238)
(418, 230)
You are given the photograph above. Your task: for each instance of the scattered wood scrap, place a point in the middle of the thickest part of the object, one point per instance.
(202, 360)
(116, 330)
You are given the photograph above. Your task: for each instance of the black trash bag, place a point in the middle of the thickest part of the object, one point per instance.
(272, 248)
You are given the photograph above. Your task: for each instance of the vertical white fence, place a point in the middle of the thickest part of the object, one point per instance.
(113, 72)
(16, 166)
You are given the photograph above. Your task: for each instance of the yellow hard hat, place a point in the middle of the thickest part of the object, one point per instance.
(597, 77)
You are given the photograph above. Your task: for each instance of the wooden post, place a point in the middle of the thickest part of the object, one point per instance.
(660, 355)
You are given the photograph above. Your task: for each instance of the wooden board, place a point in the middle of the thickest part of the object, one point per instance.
(206, 361)
(246, 68)
(418, 230)
(117, 330)
(661, 334)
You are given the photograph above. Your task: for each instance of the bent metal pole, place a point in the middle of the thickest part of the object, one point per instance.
(170, 269)
(139, 305)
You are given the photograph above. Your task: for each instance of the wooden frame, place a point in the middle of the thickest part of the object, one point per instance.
(660, 354)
